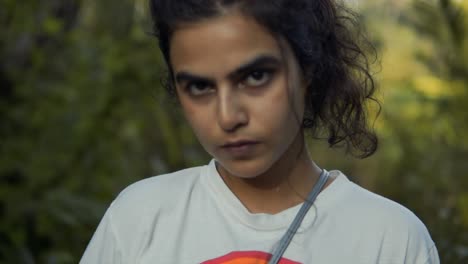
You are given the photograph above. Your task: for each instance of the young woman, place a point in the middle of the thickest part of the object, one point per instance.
(251, 77)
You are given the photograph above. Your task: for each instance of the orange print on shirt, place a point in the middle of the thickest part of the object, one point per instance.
(247, 257)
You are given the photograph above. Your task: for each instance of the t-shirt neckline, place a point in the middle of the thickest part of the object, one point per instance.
(230, 204)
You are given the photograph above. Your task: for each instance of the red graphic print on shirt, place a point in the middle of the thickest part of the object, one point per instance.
(247, 257)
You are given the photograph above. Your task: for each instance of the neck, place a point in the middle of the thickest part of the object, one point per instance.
(284, 185)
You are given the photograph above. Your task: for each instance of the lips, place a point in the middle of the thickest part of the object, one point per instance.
(239, 143)
(240, 148)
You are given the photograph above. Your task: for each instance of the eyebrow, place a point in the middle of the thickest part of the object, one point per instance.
(256, 62)
(184, 76)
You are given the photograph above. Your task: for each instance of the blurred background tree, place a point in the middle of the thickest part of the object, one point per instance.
(427, 118)
(83, 115)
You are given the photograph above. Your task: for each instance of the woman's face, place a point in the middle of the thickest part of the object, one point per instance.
(241, 95)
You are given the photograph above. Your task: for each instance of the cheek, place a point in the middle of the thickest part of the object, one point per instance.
(201, 121)
(201, 129)
(281, 112)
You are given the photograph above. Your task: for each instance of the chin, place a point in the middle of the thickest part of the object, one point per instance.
(246, 169)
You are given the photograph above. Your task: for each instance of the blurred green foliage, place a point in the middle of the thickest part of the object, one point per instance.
(83, 114)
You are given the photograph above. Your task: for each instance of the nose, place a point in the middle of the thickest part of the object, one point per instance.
(232, 113)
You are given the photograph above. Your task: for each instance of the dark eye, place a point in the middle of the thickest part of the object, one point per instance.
(198, 88)
(257, 78)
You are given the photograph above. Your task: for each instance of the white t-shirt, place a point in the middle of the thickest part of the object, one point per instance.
(191, 216)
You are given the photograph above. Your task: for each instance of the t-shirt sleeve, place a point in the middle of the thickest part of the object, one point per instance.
(432, 256)
(104, 246)
(421, 248)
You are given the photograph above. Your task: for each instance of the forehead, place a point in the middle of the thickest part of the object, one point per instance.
(218, 45)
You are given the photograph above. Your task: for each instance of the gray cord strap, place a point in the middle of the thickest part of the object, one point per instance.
(287, 237)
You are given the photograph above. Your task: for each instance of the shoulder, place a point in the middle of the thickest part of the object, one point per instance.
(376, 217)
(129, 222)
(385, 213)
(156, 192)
(346, 197)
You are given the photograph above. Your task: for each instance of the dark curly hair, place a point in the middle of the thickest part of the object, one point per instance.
(325, 42)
